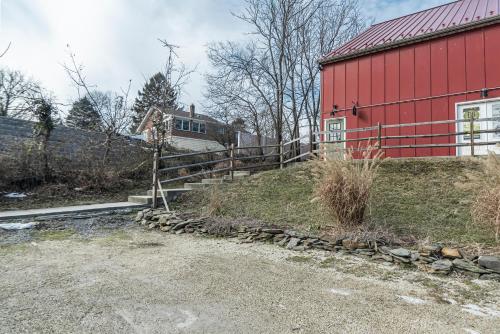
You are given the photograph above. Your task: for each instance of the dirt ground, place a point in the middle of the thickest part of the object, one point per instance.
(124, 279)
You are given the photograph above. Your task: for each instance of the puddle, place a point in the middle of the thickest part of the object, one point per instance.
(83, 226)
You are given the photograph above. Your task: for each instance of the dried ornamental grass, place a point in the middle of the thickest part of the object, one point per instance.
(486, 208)
(344, 185)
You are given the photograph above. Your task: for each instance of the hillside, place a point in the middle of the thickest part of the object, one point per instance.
(420, 198)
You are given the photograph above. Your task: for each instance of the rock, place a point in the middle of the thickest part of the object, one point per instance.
(490, 277)
(353, 244)
(400, 252)
(139, 216)
(293, 243)
(468, 266)
(490, 262)
(441, 266)
(385, 250)
(427, 259)
(272, 230)
(414, 256)
(152, 225)
(401, 259)
(264, 236)
(382, 257)
(428, 250)
(180, 225)
(179, 232)
(299, 248)
(451, 253)
(364, 252)
(242, 229)
(163, 220)
(284, 241)
(291, 233)
(278, 237)
(165, 228)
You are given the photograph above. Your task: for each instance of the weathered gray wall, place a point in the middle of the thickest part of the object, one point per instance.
(64, 141)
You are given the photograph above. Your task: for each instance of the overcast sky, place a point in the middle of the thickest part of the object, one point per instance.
(116, 40)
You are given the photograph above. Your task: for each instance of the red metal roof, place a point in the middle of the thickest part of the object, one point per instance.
(417, 26)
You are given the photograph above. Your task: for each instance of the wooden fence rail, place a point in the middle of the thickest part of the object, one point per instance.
(279, 156)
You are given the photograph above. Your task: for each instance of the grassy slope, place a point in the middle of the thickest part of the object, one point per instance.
(423, 198)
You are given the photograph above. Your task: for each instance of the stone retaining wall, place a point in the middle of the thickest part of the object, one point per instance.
(433, 258)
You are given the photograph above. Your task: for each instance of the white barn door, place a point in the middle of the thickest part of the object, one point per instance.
(478, 110)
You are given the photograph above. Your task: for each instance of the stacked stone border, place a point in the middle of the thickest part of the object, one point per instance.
(434, 258)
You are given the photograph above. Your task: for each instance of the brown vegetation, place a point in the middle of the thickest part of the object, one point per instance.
(344, 185)
(486, 208)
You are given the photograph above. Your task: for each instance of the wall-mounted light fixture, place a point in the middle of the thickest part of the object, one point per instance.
(335, 110)
(484, 93)
(354, 108)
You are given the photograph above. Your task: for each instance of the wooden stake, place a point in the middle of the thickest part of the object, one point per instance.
(156, 161)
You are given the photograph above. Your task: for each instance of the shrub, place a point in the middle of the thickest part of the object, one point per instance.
(344, 185)
(486, 207)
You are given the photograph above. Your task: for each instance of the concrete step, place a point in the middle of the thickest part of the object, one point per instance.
(212, 181)
(141, 199)
(242, 173)
(195, 185)
(236, 176)
(170, 195)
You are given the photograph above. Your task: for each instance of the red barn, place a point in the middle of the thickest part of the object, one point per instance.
(433, 67)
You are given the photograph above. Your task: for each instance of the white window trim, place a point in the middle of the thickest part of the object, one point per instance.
(459, 140)
(344, 126)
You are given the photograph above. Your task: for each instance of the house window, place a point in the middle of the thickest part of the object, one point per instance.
(182, 124)
(178, 124)
(196, 127)
(203, 128)
(221, 131)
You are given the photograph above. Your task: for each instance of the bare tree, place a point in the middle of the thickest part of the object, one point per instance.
(18, 94)
(113, 107)
(176, 76)
(276, 71)
(5, 51)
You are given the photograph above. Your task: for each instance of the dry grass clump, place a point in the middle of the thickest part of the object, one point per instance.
(486, 207)
(344, 185)
(215, 203)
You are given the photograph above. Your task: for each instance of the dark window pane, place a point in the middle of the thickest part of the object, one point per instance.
(202, 128)
(196, 127)
(178, 124)
(185, 125)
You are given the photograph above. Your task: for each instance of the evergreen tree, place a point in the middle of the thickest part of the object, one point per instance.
(83, 115)
(157, 92)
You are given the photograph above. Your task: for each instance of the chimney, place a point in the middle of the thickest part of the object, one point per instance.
(191, 110)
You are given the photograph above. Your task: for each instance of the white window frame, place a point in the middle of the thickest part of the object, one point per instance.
(458, 128)
(200, 124)
(342, 134)
(183, 120)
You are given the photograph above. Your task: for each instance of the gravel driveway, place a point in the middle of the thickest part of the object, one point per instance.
(137, 281)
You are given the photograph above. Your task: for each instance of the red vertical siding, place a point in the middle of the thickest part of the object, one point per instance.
(415, 83)
(423, 89)
(392, 87)
(378, 89)
(439, 86)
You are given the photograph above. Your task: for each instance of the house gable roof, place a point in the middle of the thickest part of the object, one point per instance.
(427, 24)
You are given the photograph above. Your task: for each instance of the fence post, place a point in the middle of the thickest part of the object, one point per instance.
(471, 124)
(281, 154)
(379, 135)
(156, 161)
(231, 162)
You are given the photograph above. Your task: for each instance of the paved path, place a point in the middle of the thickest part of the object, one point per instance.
(151, 282)
(17, 214)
